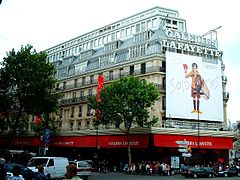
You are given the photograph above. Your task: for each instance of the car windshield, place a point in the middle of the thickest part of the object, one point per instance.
(83, 164)
(37, 162)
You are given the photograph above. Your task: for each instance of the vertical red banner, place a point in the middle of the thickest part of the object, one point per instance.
(99, 88)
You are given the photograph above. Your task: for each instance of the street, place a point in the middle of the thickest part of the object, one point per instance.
(121, 176)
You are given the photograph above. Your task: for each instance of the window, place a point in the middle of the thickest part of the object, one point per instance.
(81, 94)
(72, 112)
(149, 24)
(143, 26)
(75, 82)
(113, 36)
(121, 72)
(91, 79)
(88, 111)
(50, 163)
(110, 75)
(133, 30)
(79, 125)
(168, 21)
(118, 35)
(80, 111)
(131, 72)
(164, 82)
(90, 92)
(137, 28)
(61, 113)
(143, 68)
(74, 95)
(87, 125)
(128, 31)
(71, 125)
(164, 103)
(83, 81)
(122, 33)
(64, 85)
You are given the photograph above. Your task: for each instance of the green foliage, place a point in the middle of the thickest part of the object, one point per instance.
(27, 79)
(126, 101)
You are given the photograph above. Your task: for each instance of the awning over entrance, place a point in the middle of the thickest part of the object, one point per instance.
(102, 141)
(162, 140)
(113, 141)
(19, 141)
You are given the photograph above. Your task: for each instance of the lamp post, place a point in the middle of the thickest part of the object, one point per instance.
(198, 130)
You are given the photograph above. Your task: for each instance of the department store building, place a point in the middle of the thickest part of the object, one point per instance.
(153, 45)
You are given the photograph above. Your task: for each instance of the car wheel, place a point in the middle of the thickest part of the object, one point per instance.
(195, 175)
(210, 175)
(238, 174)
(225, 175)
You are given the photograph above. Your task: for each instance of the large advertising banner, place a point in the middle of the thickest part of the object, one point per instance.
(193, 87)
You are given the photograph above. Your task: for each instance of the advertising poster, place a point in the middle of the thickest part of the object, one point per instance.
(175, 163)
(193, 87)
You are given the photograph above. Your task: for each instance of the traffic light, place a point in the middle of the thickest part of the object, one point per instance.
(189, 149)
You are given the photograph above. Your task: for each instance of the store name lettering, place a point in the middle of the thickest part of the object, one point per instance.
(201, 143)
(123, 143)
(22, 142)
(196, 44)
(64, 143)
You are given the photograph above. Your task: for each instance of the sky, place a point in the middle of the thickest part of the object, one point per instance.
(46, 23)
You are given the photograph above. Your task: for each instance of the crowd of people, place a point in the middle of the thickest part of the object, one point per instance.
(147, 168)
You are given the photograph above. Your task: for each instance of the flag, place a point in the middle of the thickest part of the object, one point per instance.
(99, 88)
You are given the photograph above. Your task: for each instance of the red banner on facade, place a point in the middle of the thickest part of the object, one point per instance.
(120, 141)
(99, 88)
(161, 140)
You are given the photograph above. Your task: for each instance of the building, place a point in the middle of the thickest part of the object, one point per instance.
(153, 45)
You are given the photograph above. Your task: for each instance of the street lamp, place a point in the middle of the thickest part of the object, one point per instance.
(198, 130)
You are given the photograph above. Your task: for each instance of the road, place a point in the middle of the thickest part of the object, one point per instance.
(120, 176)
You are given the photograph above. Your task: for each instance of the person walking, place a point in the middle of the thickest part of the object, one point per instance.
(16, 170)
(40, 175)
(72, 172)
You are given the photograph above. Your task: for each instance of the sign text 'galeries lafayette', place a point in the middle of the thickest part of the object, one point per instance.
(191, 43)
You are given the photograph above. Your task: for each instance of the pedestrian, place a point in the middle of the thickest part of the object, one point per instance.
(168, 170)
(40, 174)
(16, 170)
(72, 172)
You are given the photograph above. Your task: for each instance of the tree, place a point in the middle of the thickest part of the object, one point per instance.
(26, 82)
(125, 102)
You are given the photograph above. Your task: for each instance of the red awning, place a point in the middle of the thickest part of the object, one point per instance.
(161, 140)
(25, 141)
(119, 141)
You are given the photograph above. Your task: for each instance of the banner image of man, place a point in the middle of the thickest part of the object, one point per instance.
(198, 86)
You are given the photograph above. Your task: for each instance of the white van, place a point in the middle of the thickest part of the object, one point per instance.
(54, 167)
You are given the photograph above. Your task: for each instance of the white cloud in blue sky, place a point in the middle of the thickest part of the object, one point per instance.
(45, 23)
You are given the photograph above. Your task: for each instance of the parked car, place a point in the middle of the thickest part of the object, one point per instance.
(26, 173)
(83, 168)
(184, 170)
(199, 172)
(54, 167)
(231, 171)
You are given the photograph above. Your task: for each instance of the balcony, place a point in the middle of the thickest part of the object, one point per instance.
(72, 101)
